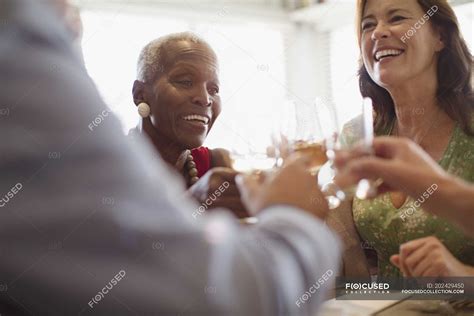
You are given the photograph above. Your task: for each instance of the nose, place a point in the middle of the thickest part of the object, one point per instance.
(201, 96)
(381, 31)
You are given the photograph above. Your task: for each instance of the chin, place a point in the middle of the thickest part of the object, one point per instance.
(194, 142)
(386, 80)
(390, 77)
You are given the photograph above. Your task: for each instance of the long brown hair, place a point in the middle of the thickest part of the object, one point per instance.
(455, 64)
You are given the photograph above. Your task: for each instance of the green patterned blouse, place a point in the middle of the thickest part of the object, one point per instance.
(385, 227)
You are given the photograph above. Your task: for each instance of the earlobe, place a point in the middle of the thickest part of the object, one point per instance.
(138, 92)
(139, 99)
(440, 46)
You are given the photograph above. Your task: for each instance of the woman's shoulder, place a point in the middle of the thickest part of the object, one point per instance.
(462, 135)
(460, 154)
(352, 130)
(472, 123)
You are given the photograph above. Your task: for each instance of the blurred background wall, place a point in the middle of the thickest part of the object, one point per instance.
(270, 52)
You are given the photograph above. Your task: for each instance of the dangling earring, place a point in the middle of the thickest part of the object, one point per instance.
(144, 110)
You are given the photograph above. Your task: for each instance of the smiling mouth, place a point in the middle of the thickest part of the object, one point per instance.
(381, 54)
(197, 118)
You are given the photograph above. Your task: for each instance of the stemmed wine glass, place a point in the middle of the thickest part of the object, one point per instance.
(250, 158)
(345, 136)
(301, 132)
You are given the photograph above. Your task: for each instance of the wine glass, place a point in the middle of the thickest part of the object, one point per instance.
(356, 132)
(251, 159)
(302, 133)
(283, 129)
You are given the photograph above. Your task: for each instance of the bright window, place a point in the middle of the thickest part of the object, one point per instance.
(251, 62)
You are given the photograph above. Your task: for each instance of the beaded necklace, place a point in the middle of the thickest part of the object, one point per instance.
(190, 167)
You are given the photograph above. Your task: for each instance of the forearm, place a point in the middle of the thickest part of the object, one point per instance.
(463, 213)
(454, 200)
(314, 251)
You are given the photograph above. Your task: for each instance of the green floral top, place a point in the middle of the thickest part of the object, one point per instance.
(382, 226)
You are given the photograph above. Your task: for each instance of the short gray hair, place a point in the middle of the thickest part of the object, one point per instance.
(150, 60)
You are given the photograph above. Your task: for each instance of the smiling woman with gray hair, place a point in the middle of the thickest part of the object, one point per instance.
(177, 97)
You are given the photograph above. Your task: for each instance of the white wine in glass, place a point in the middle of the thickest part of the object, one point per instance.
(315, 150)
(303, 134)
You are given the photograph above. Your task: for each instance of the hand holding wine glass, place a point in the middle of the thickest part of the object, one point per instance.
(292, 184)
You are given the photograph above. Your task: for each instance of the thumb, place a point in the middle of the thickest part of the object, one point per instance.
(182, 159)
(370, 167)
(362, 168)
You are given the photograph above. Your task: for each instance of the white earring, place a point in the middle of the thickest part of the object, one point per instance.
(144, 110)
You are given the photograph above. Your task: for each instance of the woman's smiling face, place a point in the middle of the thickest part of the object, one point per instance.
(185, 99)
(391, 57)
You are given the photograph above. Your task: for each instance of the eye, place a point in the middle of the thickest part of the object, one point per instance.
(185, 83)
(214, 90)
(367, 25)
(397, 18)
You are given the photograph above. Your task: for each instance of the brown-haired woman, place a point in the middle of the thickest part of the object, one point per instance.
(417, 69)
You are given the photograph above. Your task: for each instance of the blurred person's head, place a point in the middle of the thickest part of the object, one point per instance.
(177, 76)
(404, 42)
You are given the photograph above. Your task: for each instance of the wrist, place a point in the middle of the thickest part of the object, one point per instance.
(457, 196)
(457, 192)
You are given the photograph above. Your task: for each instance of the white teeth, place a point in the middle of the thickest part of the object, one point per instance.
(196, 117)
(387, 52)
